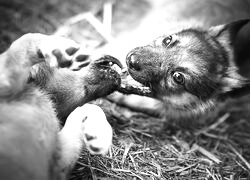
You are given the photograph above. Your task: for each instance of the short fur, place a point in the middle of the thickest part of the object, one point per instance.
(206, 60)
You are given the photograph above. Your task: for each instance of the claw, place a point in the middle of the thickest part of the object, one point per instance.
(108, 61)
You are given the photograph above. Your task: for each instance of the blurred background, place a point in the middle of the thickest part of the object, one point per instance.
(115, 27)
(129, 22)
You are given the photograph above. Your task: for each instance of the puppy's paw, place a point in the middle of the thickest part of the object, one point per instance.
(35, 48)
(81, 59)
(89, 121)
(97, 131)
(22, 59)
(58, 51)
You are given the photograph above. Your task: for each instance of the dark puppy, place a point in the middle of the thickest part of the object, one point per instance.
(192, 69)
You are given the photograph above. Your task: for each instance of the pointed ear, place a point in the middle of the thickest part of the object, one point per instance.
(235, 39)
(227, 33)
(234, 85)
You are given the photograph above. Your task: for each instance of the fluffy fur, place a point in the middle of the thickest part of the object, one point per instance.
(204, 61)
(36, 94)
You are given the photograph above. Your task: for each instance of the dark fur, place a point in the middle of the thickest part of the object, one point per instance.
(68, 89)
(207, 59)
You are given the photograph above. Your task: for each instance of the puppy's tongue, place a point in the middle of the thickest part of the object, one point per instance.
(130, 86)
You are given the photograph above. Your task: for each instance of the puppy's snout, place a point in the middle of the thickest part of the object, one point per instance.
(133, 61)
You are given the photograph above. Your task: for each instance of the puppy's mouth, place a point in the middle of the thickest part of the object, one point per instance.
(109, 62)
(102, 62)
(109, 70)
(130, 86)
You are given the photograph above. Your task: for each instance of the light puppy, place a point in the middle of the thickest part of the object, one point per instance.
(36, 93)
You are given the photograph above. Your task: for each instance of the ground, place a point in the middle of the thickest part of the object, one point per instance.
(150, 148)
(147, 147)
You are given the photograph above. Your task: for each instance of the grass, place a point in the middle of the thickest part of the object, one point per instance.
(145, 147)
(149, 148)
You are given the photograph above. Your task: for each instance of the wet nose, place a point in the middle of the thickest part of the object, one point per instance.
(133, 61)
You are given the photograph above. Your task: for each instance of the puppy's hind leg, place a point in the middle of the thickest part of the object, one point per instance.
(87, 127)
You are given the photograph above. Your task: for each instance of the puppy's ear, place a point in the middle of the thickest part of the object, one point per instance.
(234, 39)
(226, 34)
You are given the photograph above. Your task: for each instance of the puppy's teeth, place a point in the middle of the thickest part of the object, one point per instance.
(116, 68)
(111, 63)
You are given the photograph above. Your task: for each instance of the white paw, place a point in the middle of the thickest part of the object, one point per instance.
(58, 51)
(96, 132)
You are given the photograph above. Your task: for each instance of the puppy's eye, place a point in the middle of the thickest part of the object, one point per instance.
(179, 78)
(166, 41)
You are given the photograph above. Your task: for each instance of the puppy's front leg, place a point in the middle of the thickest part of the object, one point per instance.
(85, 126)
(28, 50)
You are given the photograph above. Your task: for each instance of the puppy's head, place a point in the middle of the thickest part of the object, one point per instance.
(190, 69)
(100, 75)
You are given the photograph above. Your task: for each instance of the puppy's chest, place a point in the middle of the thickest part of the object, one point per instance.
(33, 96)
(32, 112)
(34, 103)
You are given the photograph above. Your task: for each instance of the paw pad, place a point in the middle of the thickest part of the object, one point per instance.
(40, 54)
(82, 57)
(94, 149)
(62, 61)
(89, 137)
(72, 50)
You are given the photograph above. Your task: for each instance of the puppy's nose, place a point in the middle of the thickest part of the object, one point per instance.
(133, 62)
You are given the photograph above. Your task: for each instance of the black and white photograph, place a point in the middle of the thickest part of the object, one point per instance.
(124, 89)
